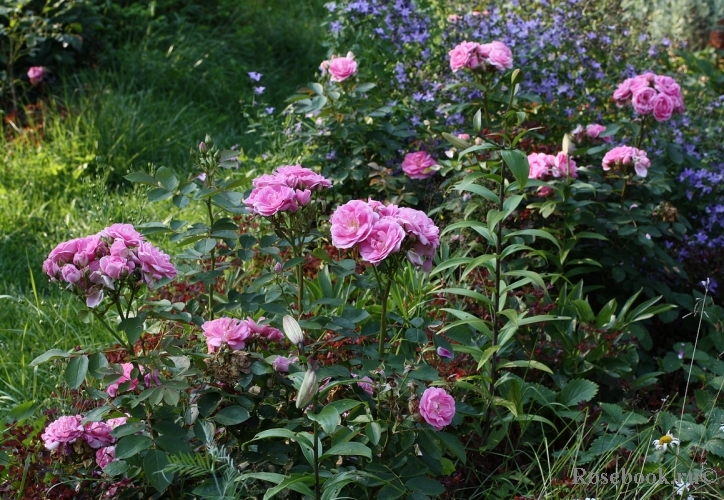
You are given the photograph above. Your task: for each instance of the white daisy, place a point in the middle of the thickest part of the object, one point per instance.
(664, 442)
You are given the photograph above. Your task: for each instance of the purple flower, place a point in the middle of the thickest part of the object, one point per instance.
(269, 111)
(259, 90)
(255, 77)
(444, 353)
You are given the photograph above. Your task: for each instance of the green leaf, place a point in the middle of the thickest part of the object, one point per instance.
(576, 391)
(153, 464)
(232, 415)
(167, 179)
(518, 164)
(116, 468)
(522, 363)
(373, 430)
(453, 444)
(425, 485)
(132, 445)
(292, 483)
(416, 336)
(48, 355)
(22, 411)
(133, 328)
(159, 194)
(141, 178)
(75, 372)
(351, 448)
(328, 418)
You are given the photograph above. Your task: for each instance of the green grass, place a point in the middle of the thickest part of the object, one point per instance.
(165, 77)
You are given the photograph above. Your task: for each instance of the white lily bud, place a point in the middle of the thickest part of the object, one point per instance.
(292, 330)
(308, 389)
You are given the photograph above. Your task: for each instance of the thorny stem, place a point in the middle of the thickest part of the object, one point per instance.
(213, 261)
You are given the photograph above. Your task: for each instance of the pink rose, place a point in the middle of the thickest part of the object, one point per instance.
(643, 100)
(437, 407)
(106, 455)
(64, 430)
(459, 56)
(265, 180)
(281, 363)
(667, 85)
(266, 331)
(419, 225)
(36, 74)
(269, 200)
(352, 223)
(226, 331)
(115, 267)
(419, 165)
(70, 274)
(302, 197)
(298, 177)
(123, 232)
(564, 166)
(663, 107)
(623, 91)
(641, 82)
(539, 165)
(500, 56)
(594, 130)
(119, 249)
(623, 156)
(98, 434)
(112, 389)
(116, 422)
(341, 68)
(89, 248)
(382, 209)
(421, 255)
(384, 239)
(155, 264)
(365, 384)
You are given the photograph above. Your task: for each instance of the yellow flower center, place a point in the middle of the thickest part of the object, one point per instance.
(665, 439)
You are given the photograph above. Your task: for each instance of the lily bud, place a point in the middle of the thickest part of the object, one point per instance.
(202, 147)
(308, 389)
(292, 330)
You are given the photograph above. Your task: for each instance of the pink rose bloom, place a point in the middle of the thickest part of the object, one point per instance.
(464, 137)
(341, 68)
(112, 389)
(98, 434)
(623, 91)
(123, 232)
(266, 331)
(365, 384)
(265, 180)
(663, 107)
(594, 130)
(382, 209)
(460, 56)
(500, 56)
(116, 267)
(667, 85)
(385, 239)
(155, 264)
(106, 455)
(229, 331)
(641, 82)
(70, 274)
(281, 363)
(116, 422)
(419, 165)
(564, 166)
(545, 191)
(88, 250)
(65, 430)
(302, 197)
(36, 74)
(437, 407)
(539, 165)
(298, 177)
(421, 255)
(270, 200)
(119, 249)
(352, 223)
(623, 156)
(93, 297)
(418, 224)
(643, 100)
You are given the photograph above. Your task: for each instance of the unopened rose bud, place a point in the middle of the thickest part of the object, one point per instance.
(278, 268)
(292, 330)
(308, 389)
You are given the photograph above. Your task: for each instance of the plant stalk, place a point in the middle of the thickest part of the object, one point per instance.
(383, 318)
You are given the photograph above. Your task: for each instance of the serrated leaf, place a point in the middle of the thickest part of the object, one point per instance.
(167, 179)
(75, 371)
(116, 468)
(132, 445)
(576, 391)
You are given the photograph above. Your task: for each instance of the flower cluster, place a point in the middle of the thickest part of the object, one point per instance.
(545, 167)
(437, 407)
(235, 332)
(149, 379)
(339, 68)
(103, 261)
(380, 230)
(288, 188)
(623, 156)
(419, 165)
(591, 131)
(65, 431)
(493, 56)
(651, 94)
